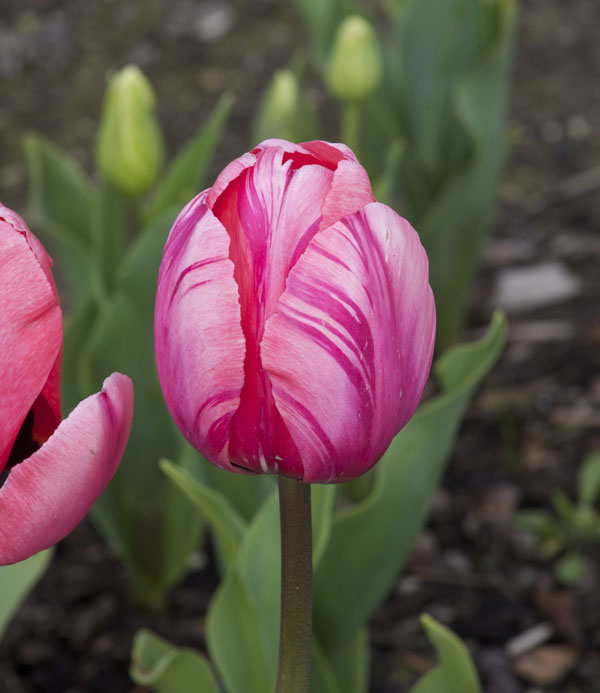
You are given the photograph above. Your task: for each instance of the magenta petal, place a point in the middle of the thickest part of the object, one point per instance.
(30, 332)
(197, 329)
(48, 494)
(271, 213)
(229, 173)
(354, 328)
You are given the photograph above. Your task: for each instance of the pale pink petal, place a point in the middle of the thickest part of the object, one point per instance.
(349, 348)
(48, 494)
(30, 335)
(198, 335)
(271, 213)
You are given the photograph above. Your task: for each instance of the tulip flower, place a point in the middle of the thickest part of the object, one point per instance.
(294, 322)
(52, 470)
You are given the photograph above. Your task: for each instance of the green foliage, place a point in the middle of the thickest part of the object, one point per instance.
(381, 528)
(186, 176)
(61, 200)
(442, 105)
(455, 672)
(17, 580)
(107, 244)
(357, 550)
(168, 669)
(573, 526)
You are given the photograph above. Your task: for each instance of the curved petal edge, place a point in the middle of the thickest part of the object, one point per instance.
(47, 495)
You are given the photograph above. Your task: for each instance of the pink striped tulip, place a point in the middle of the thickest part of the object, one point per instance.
(294, 322)
(56, 470)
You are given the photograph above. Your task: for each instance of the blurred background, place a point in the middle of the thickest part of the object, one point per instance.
(526, 434)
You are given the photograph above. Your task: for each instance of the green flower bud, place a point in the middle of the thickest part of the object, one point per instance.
(354, 67)
(129, 147)
(278, 111)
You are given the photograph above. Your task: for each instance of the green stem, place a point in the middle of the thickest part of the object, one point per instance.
(351, 125)
(296, 587)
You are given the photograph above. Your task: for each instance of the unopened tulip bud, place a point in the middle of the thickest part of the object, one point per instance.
(354, 67)
(277, 116)
(129, 149)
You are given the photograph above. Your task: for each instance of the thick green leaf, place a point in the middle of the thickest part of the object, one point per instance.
(122, 340)
(323, 503)
(114, 212)
(182, 524)
(588, 480)
(455, 673)
(322, 678)
(456, 108)
(234, 638)
(61, 201)
(185, 176)
(259, 567)
(223, 519)
(169, 669)
(131, 511)
(17, 580)
(381, 529)
(78, 325)
(349, 662)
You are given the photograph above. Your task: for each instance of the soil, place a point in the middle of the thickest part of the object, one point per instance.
(527, 430)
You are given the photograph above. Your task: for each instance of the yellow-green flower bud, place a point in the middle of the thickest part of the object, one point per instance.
(129, 147)
(354, 67)
(278, 111)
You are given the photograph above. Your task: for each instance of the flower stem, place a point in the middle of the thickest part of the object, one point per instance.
(296, 587)
(351, 125)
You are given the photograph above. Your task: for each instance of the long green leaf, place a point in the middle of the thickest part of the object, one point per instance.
(185, 176)
(226, 524)
(455, 673)
(61, 200)
(169, 669)
(17, 580)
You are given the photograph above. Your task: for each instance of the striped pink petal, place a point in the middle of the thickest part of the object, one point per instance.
(271, 213)
(349, 347)
(48, 494)
(30, 338)
(198, 335)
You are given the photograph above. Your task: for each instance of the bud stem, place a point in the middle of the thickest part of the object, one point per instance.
(351, 125)
(296, 587)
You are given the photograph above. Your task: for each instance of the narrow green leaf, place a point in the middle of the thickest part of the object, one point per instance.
(322, 678)
(182, 524)
(323, 503)
(185, 176)
(113, 212)
(61, 200)
(349, 662)
(169, 669)
(224, 521)
(78, 325)
(588, 479)
(17, 580)
(455, 673)
(234, 639)
(382, 528)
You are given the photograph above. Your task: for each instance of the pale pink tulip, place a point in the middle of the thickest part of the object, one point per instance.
(52, 471)
(294, 323)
